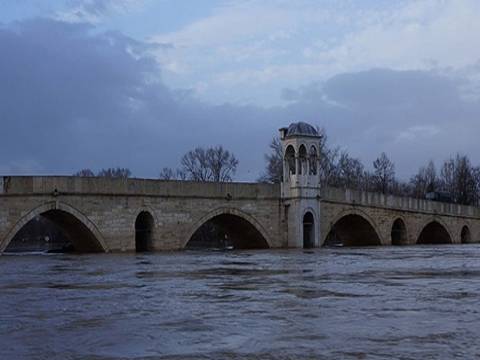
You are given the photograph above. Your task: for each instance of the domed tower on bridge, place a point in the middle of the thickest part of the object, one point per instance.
(301, 184)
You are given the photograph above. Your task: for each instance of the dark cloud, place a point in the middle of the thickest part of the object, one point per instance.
(72, 97)
(383, 88)
(412, 115)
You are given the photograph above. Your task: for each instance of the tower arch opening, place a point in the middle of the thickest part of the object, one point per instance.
(55, 231)
(144, 225)
(302, 159)
(399, 233)
(352, 230)
(434, 233)
(227, 231)
(465, 235)
(290, 160)
(308, 230)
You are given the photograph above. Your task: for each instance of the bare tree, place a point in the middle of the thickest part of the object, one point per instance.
(424, 181)
(195, 165)
(384, 173)
(274, 168)
(212, 164)
(171, 174)
(348, 172)
(328, 160)
(117, 172)
(222, 164)
(368, 183)
(476, 176)
(84, 173)
(463, 180)
(401, 188)
(180, 175)
(447, 177)
(460, 180)
(167, 174)
(466, 184)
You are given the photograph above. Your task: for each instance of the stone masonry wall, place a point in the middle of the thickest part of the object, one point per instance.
(110, 207)
(382, 211)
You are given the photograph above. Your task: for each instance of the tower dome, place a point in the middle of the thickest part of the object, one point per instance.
(301, 128)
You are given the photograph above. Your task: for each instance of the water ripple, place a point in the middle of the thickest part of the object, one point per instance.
(361, 303)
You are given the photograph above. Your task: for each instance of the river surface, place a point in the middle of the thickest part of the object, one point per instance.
(420, 302)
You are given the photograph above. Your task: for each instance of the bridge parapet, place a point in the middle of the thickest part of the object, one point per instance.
(71, 185)
(370, 199)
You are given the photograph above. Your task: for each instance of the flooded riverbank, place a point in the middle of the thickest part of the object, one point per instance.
(353, 303)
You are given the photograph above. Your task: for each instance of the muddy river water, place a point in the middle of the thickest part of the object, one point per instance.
(419, 302)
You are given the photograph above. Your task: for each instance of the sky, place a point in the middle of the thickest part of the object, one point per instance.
(137, 83)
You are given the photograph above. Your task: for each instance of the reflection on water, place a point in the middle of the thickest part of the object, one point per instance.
(406, 303)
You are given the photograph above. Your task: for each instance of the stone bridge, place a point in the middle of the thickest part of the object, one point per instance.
(104, 215)
(101, 214)
(389, 220)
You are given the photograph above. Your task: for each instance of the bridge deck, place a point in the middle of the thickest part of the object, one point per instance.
(368, 199)
(69, 185)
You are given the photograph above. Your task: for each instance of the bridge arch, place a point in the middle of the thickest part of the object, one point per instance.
(150, 210)
(434, 231)
(353, 228)
(83, 233)
(309, 228)
(144, 228)
(465, 235)
(399, 233)
(227, 215)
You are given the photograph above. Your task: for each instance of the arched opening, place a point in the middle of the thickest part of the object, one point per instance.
(434, 233)
(302, 158)
(54, 231)
(227, 232)
(312, 161)
(143, 231)
(465, 235)
(308, 231)
(399, 233)
(290, 160)
(352, 230)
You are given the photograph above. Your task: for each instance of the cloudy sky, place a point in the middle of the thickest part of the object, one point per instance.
(137, 83)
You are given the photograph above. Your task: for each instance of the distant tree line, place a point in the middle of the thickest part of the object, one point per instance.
(200, 164)
(457, 176)
(118, 172)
